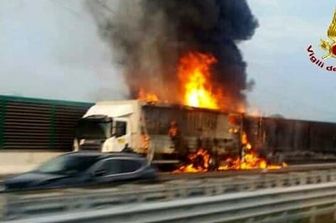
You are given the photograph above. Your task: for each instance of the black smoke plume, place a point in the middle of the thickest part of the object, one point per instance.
(149, 36)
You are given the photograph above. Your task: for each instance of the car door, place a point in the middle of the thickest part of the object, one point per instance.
(118, 169)
(131, 169)
(107, 170)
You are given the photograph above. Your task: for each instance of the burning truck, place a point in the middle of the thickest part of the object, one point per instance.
(164, 133)
(199, 133)
(182, 58)
(170, 136)
(197, 128)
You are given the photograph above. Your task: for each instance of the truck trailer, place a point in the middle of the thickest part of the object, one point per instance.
(164, 133)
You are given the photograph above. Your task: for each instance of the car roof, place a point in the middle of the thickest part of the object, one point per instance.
(100, 155)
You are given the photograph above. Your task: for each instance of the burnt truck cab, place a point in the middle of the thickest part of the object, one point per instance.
(101, 133)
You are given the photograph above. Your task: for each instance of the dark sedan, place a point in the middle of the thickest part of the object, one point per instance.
(82, 169)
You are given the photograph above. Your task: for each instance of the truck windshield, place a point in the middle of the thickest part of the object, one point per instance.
(93, 129)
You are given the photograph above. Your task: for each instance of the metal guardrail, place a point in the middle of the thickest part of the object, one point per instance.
(269, 205)
(18, 206)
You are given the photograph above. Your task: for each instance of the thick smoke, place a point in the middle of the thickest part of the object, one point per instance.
(149, 36)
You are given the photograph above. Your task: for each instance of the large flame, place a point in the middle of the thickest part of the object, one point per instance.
(195, 82)
(249, 159)
(199, 90)
(195, 78)
(198, 161)
(147, 96)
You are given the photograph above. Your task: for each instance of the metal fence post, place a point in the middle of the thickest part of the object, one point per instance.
(3, 106)
(52, 130)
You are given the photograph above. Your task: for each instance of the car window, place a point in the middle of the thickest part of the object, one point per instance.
(66, 164)
(111, 166)
(121, 128)
(130, 166)
(116, 166)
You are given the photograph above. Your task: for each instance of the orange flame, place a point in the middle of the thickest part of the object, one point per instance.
(198, 89)
(250, 159)
(198, 162)
(194, 74)
(147, 96)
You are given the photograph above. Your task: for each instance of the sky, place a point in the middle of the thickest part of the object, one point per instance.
(287, 83)
(51, 49)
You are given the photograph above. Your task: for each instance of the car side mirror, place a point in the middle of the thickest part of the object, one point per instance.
(99, 173)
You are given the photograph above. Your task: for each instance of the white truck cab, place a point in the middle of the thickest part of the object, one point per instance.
(107, 127)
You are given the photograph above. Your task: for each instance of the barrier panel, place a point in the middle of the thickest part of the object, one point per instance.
(28, 123)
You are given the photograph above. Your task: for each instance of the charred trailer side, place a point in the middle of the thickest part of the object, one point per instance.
(293, 141)
(176, 131)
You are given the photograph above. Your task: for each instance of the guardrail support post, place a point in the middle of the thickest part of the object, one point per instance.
(323, 177)
(334, 214)
(250, 220)
(333, 175)
(303, 179)
(3, 205)
(312, 218)
(279, 182)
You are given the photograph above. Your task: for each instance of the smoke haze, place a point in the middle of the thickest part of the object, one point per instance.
(147, 37)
